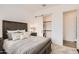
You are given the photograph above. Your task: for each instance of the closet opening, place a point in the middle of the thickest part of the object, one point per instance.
(70, 29)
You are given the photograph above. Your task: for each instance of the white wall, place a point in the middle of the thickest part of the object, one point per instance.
(12, 13)
(78, 29)
(37, 23)
(39, 26)
(57, 12)
(0, 28)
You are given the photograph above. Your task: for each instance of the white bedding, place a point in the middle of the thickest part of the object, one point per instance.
(30, 45)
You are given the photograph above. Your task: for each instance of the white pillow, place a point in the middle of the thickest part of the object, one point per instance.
(25, 35)
(9, 32)
(9, 36)
(16, 36)
(21, 31)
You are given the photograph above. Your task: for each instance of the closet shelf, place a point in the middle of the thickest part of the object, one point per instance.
(47, 30)
(46, 21)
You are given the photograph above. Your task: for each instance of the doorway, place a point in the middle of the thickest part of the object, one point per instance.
(70, 28)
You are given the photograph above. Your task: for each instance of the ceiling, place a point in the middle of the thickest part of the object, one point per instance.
(20, 11)
(35, 7)
(27, 7)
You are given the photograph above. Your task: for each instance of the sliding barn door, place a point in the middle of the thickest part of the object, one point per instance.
(70, 27)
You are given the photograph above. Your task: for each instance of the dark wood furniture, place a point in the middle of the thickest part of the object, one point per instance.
(1, 47)
(46, 49)
(11, 25)
(78, 51)
(1, 43)
(33, 34)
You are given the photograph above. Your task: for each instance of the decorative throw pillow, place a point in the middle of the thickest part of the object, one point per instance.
(16, 36)
(21, 31)
(25, 35)
(9, 32)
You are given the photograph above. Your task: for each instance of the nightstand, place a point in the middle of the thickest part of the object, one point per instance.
(1, 47)
(33, 34)
(1, 44)
(78, 51)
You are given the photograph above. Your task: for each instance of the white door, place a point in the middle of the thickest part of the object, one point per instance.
(70, 26)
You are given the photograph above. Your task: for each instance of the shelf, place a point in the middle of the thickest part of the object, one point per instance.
(47, 30)
(47, 21)
(47, 26)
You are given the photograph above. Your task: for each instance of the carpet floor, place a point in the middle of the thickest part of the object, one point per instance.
(57, 49)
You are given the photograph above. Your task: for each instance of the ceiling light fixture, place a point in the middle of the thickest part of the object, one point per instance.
(44, 5)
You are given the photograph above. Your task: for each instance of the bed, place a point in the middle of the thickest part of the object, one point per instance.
(30, 45)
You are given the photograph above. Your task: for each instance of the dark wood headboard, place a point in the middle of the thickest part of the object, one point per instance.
(11, 25)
